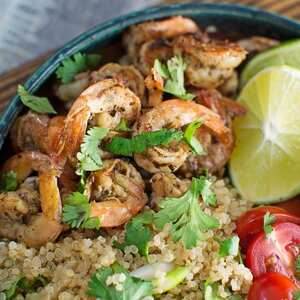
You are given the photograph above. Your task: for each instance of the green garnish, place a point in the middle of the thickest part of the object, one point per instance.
(9, 181)
(139, 143)
(35, 103)
(23, 286)
(122, 126)
(173, 73)
(211, 291)
(132, 288)
(186, 216)
(78, 63)
(296, 295)
(297, 265)
(229, 246)
(191, 140)
(77, 210)
(89, 156)
(208, 196)
(268, 221)
(136, 233)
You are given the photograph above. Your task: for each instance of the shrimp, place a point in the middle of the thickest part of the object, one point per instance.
(217, 152)
(230, 85)
(167, 185)
(109, 102)
(155, 85)
(70, 91)
(29, 132)
(167, 28)
(210, 64)
(257, 44)
(175, 113)
(129, 76)
(40, 227)
(117, 193)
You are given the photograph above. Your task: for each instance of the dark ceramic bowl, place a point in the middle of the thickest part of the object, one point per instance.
(237, 19)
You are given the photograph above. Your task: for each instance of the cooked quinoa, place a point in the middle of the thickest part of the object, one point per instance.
(69, 263)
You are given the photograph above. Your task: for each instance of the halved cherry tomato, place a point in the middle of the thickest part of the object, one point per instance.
(276, 252)
(272, 286)
(292, 206)
(251, 223)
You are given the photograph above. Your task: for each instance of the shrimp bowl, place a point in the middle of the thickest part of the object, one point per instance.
(121, 159)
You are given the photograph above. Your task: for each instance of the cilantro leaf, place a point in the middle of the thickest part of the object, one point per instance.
(76, 212)
(133, 288)
(211, 291)
(297, 265)
(186, 216)
(23, 286)
(229, 246)
(9, 181)
(122, 126)
(173, 73)
(89, 156)
(268, 221)
(208, 196)
(141, 142)
(136, 233)
(35, 103)
(77, 63)
(191, 140)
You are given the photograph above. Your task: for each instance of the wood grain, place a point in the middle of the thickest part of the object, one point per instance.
(10, 80)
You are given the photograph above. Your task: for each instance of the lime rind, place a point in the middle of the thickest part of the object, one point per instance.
(265, 164)
(287, 53)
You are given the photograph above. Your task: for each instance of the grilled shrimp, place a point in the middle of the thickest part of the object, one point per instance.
(208, 64)
(117, 193)
(129, 76)
(217, 152)
(39, 227)
(108, 101)
(30, 132)
(147, 41)
(257, 44)
(175, 114)
(167, 185)
(155, 85)
(70, 91)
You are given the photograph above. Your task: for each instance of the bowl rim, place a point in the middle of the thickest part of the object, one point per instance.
(114, 26)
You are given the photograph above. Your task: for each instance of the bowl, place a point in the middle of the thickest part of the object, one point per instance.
(230, 18)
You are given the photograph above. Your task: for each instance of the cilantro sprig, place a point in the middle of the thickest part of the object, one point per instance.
(269, 219)
(77, 210)
(9, 181)
(136, 233)
(133, 288)
(23, 286)
(89, 156)
(77, 63)
(173, 73)
(191, 139)
(139, 143)
(185, 215)
(229, 246)
(35, 103)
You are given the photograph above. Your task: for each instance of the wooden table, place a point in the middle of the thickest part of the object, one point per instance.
(10, 80)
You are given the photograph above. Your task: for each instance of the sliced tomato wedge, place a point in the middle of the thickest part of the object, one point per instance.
(276, 252)
(272, 286)
(251, 223)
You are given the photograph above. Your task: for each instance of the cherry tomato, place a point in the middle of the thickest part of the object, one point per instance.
(276, 252)
(272, 286)
(292, 206)
(251, 223)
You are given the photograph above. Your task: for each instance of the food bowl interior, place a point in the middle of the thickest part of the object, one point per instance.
(232, 21)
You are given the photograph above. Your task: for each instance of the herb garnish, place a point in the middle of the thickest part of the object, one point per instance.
(9, 181)
(139, 143)
(35, 103)
(190, 138)
(229, 246)
(173, 73)
(77, 63)
(268, 221)
(185, 215)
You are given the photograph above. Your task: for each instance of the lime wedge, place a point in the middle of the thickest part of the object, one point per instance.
(265, 164)
(287, 53)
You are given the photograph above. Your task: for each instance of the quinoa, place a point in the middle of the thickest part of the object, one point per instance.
(69, 263)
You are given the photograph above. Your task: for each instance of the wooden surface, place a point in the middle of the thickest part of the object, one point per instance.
(10, 80)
